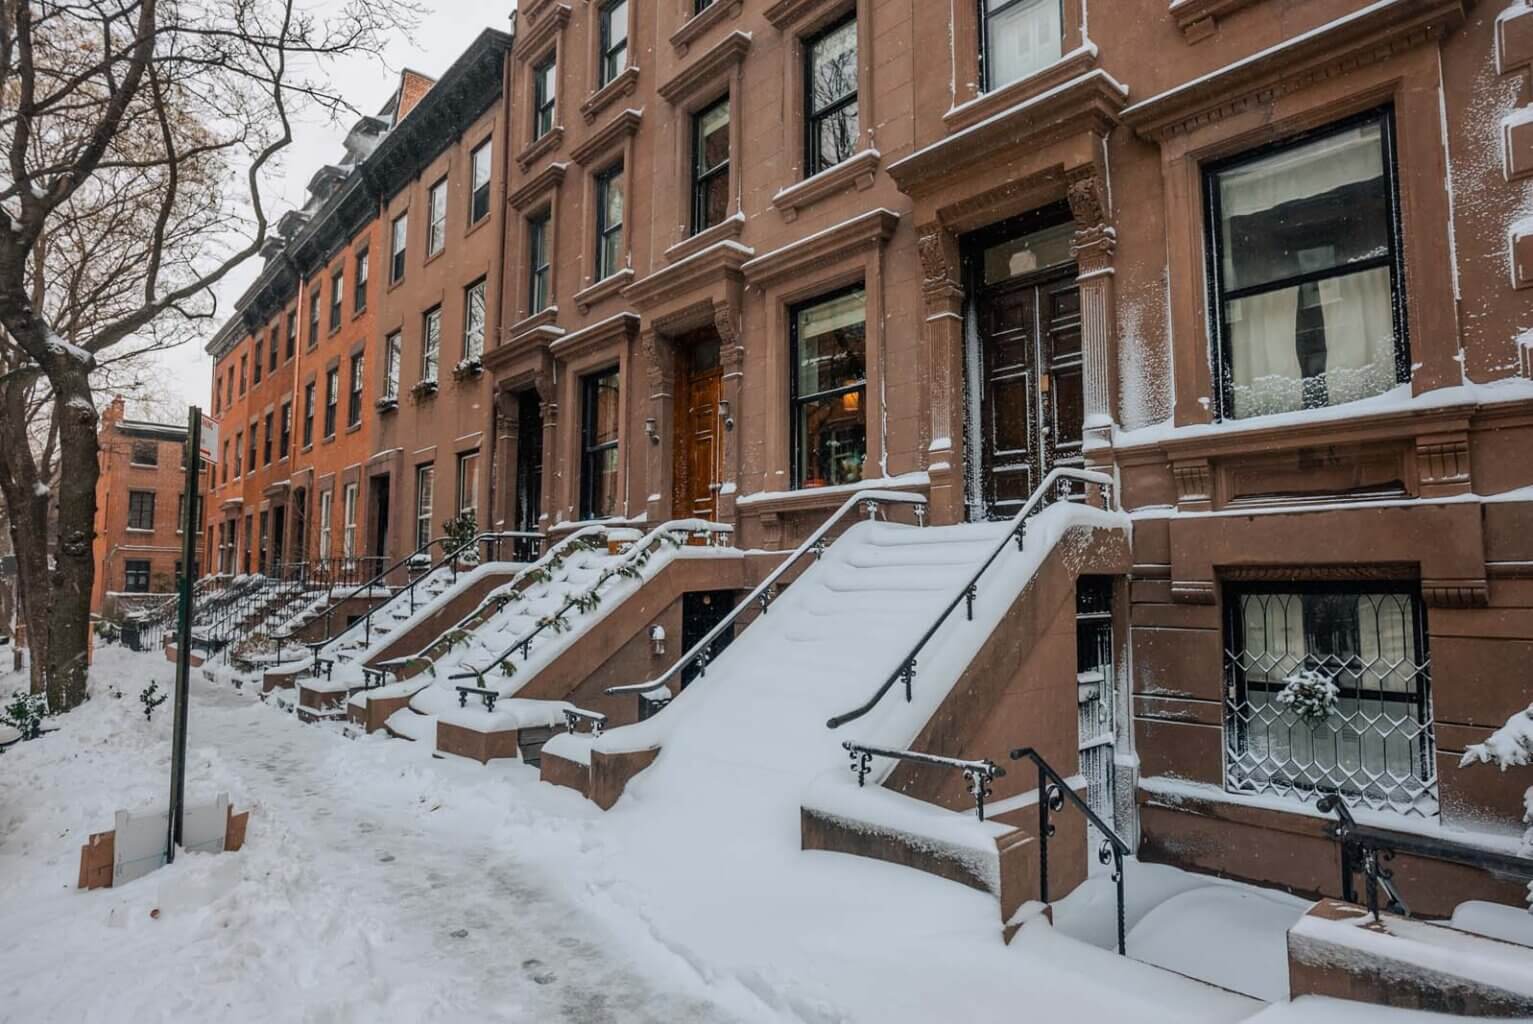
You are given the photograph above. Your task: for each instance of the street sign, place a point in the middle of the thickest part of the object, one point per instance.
(209, 440)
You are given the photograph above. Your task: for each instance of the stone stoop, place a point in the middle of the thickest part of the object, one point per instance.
(1338, 950)
(604, 779)
(372, 715)
(318, 705)
(525, 743)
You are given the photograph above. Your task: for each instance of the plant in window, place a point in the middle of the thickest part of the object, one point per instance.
(468, 366)
(461, 530)
(1309, 694)
(424, 388)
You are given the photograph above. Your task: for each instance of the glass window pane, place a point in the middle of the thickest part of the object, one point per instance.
(712, 137)
(1306, 209)
(833, 441)
(1316, 344)
(612, 195)
(604, 416)
(1022, 39)
(833, 66)
(831, 344)
(604, 484)
(837, 136)
(1018, 257)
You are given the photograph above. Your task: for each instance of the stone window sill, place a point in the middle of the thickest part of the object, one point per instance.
(542, 145)
(623, 85)
(730, 227)
(698, 25)
(856, 171)
(605, 288)
(986, 105)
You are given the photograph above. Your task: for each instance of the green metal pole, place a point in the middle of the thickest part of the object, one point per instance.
(184, 630)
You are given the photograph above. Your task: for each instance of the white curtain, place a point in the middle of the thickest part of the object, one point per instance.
(1263, 359)
(1313, 170)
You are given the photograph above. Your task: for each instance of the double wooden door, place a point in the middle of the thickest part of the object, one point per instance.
(697, 461)
(1031, 407)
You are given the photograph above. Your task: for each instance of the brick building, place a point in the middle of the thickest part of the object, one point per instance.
(1265, 261)
(140, 503)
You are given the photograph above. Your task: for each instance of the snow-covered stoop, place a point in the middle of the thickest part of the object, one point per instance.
(745, 751)
(326, 679)
(581, 584)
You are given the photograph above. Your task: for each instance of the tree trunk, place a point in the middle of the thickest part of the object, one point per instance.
(27, 504)
(74, 571)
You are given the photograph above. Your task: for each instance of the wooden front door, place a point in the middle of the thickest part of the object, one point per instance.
(529, 461)
(1031, 407)
(698, 457)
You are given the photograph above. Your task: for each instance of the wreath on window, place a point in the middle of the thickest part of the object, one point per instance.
(1309, 694)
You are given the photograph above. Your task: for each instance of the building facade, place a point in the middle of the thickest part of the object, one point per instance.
(1264, 261)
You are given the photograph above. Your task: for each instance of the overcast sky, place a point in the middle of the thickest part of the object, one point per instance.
(447, 29)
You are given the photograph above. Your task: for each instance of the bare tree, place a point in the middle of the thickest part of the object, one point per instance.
(135, 135)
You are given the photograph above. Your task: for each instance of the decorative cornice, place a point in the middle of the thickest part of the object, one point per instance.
(611, 134)
(605, 288)
(623, 85)
(531, 45)
(696, 26)
(540, 146)
(1072, 65)
(528, 343)
(623, 326)
(1365, 37)
(718, 262)
(856, 171)
(1198, 19)
(1087, 103)
(784, 13)
(867, 231)
(546, 180)
(727, 53)
(1379, 571)
(729, 228)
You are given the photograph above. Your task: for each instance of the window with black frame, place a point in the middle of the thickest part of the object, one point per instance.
(599, 445)
(308, 414)
(314, 289)
(269, 440)
(431, 344)
(614, 39)
(1327, 690)
(354, 402)
(609, 222)
(292, 334)
(539, 263)
(136, 576)
(425, 485)
(699, 6)
(398, 231)
(1305, 268)
(473, 321)
(337, 287)
(829, 390)
(544, 94)
(144, 453)
(256, 372)
(436, 218)
(830, 97)
(287, 430)
(1019, 38)
(393, 349)
(140, 510)
(271, 351)
(359, 283)
(479, 183)
(332, 399)
(710, 166)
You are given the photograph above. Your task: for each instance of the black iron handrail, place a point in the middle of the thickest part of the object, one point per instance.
(574, 716)
(976, 774)
(1057, 479)
(1367, 849)
(1053, 791)
(700, 653)
(640, 546)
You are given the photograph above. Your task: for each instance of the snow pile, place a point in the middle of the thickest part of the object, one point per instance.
(1510, 746)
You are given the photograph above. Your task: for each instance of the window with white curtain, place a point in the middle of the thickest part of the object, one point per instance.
(1305, 244)
(1020, 37)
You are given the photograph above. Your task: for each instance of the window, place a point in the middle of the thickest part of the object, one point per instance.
(598, 445)
(479, 183)
(326, 500)
(614, 39)
(239, 452)
(1326, 691)
(349, 521)
(541, 273)
(397, 233)
(244, 371)
(699, 6)
(710, 166)
(255, 373)
(829, 419)
(431, 344)
(1306, 277)
(271, 350)
(543, 85)
(436, 218)
(473, 321)
(359, 283)
(267, 445)
(287, 430)
(136, 576)
(254, 428)
(225, 462)
(468, 484)
(332, 398)
(609, 222)
(425, 485)
(140, 510)
(1020, 37)
(265, 523)
(313, 315)
(249, 540)
(354, 400)
(180, 511)
(337, 286)
(308, 414)
(292, 334)
(830, 97)
(393, 346)
(145, 453)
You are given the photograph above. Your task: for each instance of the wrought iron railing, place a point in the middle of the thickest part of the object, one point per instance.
(977, 775)
(759, 600)
(1053, 791)
(1056, 486)
(1367, 851)
(573, 717)
(624, 567)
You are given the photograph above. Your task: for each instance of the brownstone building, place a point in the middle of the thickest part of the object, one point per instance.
(1263, 261)
(140, 502)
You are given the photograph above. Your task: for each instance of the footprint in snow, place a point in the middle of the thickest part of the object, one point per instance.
(538, 973)
(386, 858)
(461, 933)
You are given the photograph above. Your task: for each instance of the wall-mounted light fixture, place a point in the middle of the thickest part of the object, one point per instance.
(657, 639)
(650, 431)
(728, 420)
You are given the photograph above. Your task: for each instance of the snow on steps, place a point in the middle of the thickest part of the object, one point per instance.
(749, 739)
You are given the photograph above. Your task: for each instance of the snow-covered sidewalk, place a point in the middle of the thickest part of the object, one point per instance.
(378, 884)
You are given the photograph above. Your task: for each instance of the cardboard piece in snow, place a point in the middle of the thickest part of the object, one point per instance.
(136, 846)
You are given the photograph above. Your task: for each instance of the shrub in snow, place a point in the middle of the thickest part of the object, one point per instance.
(25, 713)
(1510, 746)
(461, 531)
(151, 698)
(1309, 694)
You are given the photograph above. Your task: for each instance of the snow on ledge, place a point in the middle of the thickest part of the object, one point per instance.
(903, 481)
